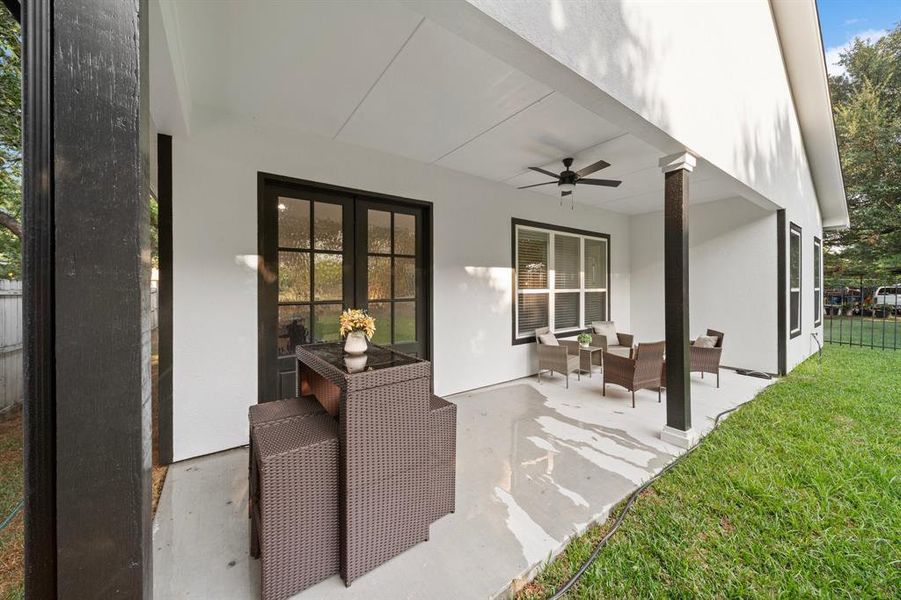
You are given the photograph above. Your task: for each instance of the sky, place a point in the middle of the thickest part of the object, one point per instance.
(843, 20)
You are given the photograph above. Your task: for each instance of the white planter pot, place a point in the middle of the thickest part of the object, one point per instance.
(583, 345)
(356, 343)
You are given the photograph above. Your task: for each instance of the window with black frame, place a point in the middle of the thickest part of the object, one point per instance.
(817, 282)
(562, 279)
(794, 279)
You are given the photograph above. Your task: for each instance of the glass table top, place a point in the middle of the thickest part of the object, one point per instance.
(376, 357)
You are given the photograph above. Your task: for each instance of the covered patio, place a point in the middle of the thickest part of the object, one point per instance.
(536, 464)
(330, 124)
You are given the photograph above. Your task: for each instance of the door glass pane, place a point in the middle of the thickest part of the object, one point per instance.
(293, 277)
(532, 313)
(595, 264)
(566, 259)
(381, 312)
(531, 260)
(325, 322)
(379, 231)
(379, 278)
(404, 234)
(566, 310)
(293, 223)
(327, 226)
(293, 328)
(404, 322)
(404, 277)
(328, 272)
(595, 307)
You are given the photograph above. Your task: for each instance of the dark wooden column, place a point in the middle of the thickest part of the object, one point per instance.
(675, 244)
(88, 379)
(164, 328)
(781, 294)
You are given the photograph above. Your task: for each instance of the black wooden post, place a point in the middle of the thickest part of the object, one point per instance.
(782, 293)
(87, 276)
(164, 227)
(675, 246)
(39, 367)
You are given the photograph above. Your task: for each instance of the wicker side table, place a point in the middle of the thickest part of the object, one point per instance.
(442, 457)
(383, 425)
(586, 356)
(296, 513)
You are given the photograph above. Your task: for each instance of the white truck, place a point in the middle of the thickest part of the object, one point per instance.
(888, 298)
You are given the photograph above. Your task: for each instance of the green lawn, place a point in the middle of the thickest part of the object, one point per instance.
(863, 331)
(798, 494)
(11, 538)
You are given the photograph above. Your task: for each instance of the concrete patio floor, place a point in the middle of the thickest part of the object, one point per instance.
(536, 464)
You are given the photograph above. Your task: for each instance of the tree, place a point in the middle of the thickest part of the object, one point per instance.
(866, 101)
(10, 146)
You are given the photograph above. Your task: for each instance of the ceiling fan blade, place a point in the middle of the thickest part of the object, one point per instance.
(523, 187)
(544, 172)
(601, 164)
(565, 193)
(603, 182)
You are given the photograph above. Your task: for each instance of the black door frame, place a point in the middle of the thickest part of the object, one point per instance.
(267, 248)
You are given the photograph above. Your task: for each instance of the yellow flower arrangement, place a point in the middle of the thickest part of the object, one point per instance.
(356, 319)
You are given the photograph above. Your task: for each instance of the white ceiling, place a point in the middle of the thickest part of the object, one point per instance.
(379, 75)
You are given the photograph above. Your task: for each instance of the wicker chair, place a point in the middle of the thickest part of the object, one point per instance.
(707, 360)
(295, 519)
(269, 412)
(442, 457)
(623, 347)
(558, 359)
(642, 371)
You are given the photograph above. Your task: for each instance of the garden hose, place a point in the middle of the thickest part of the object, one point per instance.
(622, 513)
(12, 515)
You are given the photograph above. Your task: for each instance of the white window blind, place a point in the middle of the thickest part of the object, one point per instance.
(561, 281)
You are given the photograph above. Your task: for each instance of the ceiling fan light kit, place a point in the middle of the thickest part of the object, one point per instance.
(567, 180)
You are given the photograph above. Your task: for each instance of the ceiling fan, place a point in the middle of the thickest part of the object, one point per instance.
(567, 179)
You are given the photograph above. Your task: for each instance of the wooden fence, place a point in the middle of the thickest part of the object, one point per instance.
(11, 341)
(10, 344)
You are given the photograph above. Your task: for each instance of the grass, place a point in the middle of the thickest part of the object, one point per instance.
(12, 538)
(863, 331)
(797, 494)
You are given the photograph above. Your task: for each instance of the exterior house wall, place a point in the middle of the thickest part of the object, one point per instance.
(732, 279)
(215, 281)
(708, 75)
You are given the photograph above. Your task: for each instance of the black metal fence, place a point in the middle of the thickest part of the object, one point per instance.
(863, 313)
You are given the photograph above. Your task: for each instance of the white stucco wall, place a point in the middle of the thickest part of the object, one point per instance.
(733, 260)
(709, 76)
(732, 279)
(215, 291)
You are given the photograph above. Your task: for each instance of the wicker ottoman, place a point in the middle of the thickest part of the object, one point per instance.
(267, 412)
(442, 457)
(296, 512)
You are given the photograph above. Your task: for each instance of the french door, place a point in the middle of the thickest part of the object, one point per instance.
(324, 250)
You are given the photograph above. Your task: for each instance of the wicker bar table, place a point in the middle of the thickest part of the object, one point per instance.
(383, 424)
